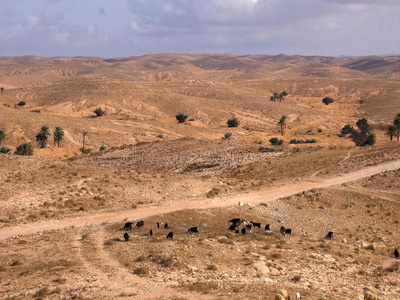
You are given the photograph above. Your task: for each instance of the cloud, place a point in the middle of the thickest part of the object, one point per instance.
(132, 27)
(102, 11)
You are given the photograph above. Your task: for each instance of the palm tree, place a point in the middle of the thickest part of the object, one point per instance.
(83, 142)
(24, 149)
(282, 123)
(58, 135)
(41, 137)
(2, 136)
(392, 131)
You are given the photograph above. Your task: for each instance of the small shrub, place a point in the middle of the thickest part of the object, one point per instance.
(347, 129)
(319, 130)
(296, 278)
(327, 100)
(181, 117)
(191, 120)
(227, 135)
(276, 141)
(24, 149)
(4, 150)
(36, 111)
(141, 271)
(99, 112)
(102, 148)
(313, 141)
(211, 267)
(234, 122)
(21, 103)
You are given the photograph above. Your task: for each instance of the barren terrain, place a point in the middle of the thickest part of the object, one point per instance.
(63, 211)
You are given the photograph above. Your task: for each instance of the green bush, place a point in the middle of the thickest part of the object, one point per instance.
(347, 129)
(99, 112)
(276, 141)
(181, 117)
(4, 150)
(327, 100)
(102, 148)
(234, 122)
(227, 135)
(294, 141)
(24, 149)
(21, 103)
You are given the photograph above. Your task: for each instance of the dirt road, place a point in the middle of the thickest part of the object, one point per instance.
(253, 198)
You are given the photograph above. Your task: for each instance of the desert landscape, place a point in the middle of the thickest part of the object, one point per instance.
(286, 162)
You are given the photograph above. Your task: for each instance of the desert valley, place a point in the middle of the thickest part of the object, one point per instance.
(285, 160)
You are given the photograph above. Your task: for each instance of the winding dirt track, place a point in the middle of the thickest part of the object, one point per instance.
(253, 198)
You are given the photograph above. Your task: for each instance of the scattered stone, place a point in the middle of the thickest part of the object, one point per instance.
(240, 203)
(368, 295)
(344, 241)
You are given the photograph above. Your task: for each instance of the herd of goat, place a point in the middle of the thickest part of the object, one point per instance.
(238, 226)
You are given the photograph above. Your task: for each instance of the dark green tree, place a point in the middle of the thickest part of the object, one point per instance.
(327, 100)
(181, 117)
(282, 124)
(41, 137)
(234, 122)
(392, 131)
(99, 112)
(58, 136)
(364, 135)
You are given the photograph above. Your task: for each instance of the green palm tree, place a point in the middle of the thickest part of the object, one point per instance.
(392, 131)
(41, 137)
(282, 124)
(58, 136)
(2, 136)
(24, 149)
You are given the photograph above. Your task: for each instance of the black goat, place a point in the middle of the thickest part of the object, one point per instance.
(151, 232)
(166, 226)
(126, 236)
(193, 230)
(170, 235)
(267, 227)
(139, 224)
(396, 253)
(128, 226)
(256, 224)
(329, 236)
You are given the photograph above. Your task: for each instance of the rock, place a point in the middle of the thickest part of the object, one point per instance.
(261, 268)
(240, 203)
(274, 271)
(372, 246)
(344, 241)
(285, 294)
(368, 295)
(279, 297)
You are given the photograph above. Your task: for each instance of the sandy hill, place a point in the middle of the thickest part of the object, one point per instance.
(63, 210)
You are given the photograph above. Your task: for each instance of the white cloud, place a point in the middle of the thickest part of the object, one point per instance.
(91, 29)
(62, 37)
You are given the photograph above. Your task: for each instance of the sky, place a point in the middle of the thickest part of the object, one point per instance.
(115, 28)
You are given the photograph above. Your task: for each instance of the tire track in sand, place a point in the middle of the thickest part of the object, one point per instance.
(253, 198)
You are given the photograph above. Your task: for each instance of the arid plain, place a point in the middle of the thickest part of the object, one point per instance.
(62, 212)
